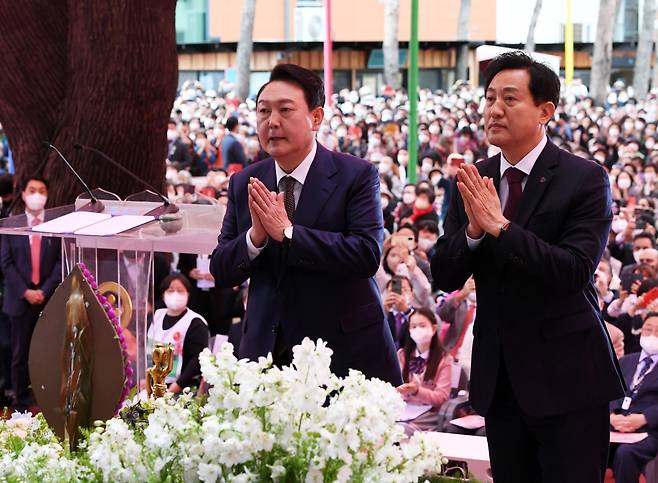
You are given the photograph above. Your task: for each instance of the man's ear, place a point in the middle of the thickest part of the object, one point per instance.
(547, 112)
(317, 115)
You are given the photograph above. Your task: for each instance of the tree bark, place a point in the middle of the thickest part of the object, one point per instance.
(602, 57)
(390, 44)
(245, 45)
(462, 38)
(93, 73)
(530, 42)
(642, 70)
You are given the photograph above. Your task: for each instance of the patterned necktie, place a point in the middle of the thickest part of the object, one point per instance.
(514, 178)
(399, 321)
(646, 364)
(417, 365)
(288, 188)
(35, 254)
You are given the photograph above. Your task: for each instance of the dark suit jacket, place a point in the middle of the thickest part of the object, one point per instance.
(16, 261)
(646, 400)
(322, 285)
(232, 151)
(537, 307)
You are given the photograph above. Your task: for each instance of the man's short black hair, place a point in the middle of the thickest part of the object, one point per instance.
(645, 234)
(429, 226)
(34, 178)
(544, 83)
(305, 79)
(231, 123)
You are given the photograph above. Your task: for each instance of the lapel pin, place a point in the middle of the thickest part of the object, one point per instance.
(542, 180)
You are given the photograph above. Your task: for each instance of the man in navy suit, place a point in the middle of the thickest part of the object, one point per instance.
(530, 224)
(638, 411)
(32, 270)
(305, 226)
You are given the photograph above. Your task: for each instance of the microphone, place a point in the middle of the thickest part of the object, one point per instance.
(161, 210)
(95, 206)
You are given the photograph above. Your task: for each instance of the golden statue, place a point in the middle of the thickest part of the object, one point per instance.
(163, 363)
(75, 387)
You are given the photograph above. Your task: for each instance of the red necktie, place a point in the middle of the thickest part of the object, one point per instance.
(514, 178)
(35, 251)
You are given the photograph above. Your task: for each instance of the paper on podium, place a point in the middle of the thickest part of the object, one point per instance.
(71, 222)
(412, 411)
(473, 421)
(114, 225)
(628, 438)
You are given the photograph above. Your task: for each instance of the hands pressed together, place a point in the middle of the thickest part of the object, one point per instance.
(34, 297)
(268, 213)
(627, 424)
(481, 203)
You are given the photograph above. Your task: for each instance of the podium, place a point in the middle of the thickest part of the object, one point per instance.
(123, 263)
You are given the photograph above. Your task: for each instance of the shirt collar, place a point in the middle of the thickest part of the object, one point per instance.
(643, 354)
(527, 162)
(425, 355)
(31, 217)
(301, 171)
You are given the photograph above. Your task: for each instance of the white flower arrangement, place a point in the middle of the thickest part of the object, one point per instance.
(258, 423)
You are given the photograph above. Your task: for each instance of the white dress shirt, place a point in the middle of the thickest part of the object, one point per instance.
(525, 164)
(31, 218)
(299, 174)
(643, 355)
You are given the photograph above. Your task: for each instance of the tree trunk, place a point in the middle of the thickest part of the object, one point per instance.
(602, 57)
(93, 73)
(530, 42)
(462, 38)
(642, 71)
(243, 56)
(390, 45)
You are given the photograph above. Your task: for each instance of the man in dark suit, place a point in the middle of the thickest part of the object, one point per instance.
(311, 250)
(639, 411)
(232, 150)
(530, 225)
(32, 270)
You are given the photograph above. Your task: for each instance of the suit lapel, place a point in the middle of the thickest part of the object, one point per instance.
(538, 181)
(317, 189)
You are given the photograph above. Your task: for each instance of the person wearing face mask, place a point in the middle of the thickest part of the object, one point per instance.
(233, 155)
(637, 411)
(423, 209)
(426, 370)
(184, 329)
(388, 207)
(428, 235)
(406, 206)
(32, 269)
(180, 152)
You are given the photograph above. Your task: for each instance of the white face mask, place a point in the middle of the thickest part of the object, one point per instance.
(35, 201)
(619, 225)
(624, 183)
(408, 198)
(426, 244)
(649, 344)
(171, 135)
(384, 203)
(175, 300)
(472, 297)
(421, 335)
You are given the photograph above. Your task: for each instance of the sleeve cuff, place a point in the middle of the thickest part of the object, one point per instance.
(473, 243)
(253, 251)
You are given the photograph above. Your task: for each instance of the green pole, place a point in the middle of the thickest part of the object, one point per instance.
(413, 95)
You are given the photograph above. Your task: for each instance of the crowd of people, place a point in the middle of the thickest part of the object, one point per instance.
(211, 135)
